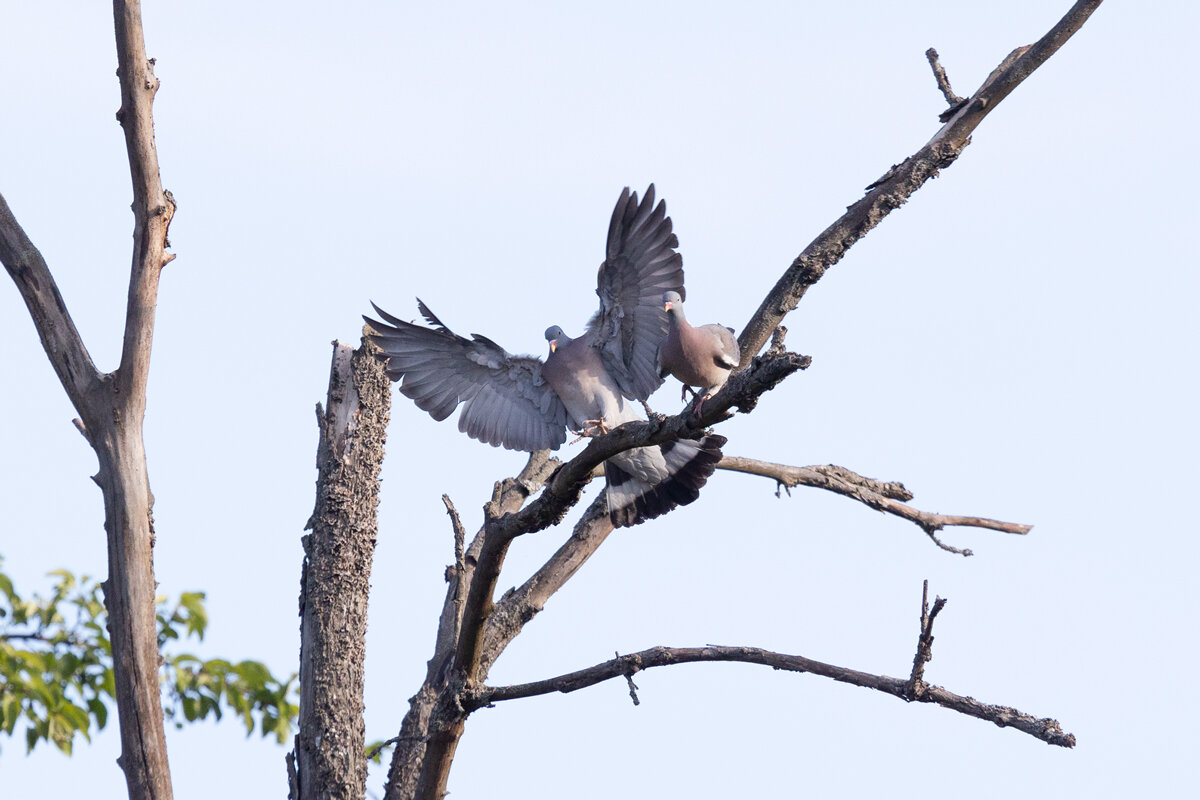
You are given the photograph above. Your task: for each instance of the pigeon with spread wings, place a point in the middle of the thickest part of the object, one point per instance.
(587, 383)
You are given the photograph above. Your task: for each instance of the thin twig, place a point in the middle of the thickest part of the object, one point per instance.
(629, 680)
(924, 654)
(939, 73)
(460, 534)
(379, 748)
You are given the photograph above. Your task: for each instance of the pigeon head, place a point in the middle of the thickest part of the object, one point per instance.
(555, 336)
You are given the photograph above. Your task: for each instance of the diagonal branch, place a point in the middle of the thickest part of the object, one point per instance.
(519, 606)
(742, 392)
(428, 734)
(880, 496)
(60, 338)
(894, 188)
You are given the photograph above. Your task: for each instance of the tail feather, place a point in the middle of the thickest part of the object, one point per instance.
(650, 481)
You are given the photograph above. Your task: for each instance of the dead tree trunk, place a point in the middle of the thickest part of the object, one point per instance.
(329, 760)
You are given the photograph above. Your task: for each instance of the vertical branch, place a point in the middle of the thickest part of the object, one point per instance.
(113, 419)
(152, 206)
(329, 760)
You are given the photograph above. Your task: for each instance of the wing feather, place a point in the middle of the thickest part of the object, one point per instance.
(505, 402)
(640, 264)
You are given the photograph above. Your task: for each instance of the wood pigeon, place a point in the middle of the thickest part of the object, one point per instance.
(587, 383)
(700, 357)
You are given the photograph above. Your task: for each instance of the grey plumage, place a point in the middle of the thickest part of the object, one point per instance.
(506, 401)
(645, 482)
(700, 357)
(522, 403)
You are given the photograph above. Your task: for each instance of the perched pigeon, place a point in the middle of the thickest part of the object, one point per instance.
(587, 383)
(701, 357)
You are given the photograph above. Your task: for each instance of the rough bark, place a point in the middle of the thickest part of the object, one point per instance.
(329, 760)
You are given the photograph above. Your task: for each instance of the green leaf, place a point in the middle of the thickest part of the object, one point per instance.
(189, 709)
(77, 717)
(254, 672)
(99, 711)
(62, 733)
(66, 579)
(197, 618)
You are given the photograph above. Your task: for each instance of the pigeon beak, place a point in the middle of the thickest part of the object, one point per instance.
(553, 345)
(667, 306)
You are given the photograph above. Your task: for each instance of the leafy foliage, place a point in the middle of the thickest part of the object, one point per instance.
(56, 670)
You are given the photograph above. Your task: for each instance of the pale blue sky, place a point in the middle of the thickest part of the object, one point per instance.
(1016, 342)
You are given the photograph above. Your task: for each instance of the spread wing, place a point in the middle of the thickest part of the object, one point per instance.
(640, 264)
(506, 403)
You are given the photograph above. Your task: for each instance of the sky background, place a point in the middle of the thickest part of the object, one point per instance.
(1017, 342)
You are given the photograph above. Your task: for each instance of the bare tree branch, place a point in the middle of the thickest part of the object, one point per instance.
(912, 690)
(56, 329)
(336, 578)
(894, 188)
(876, 494)
(825, 476)
(924, 654)
(562, 491)
(939, 74)
(519, 606)
(431, 728)
(152, 206)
